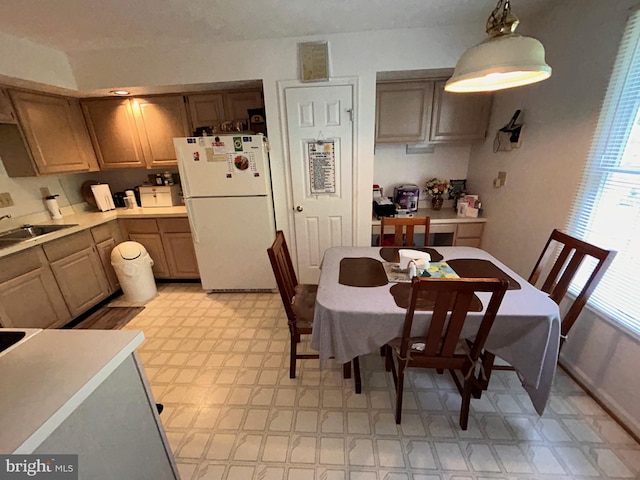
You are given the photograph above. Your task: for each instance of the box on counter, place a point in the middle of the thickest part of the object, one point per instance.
(160, 196)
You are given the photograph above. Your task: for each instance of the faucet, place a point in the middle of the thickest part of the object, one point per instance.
(8, 215)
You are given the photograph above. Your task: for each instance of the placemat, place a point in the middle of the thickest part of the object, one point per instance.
(390, 254)
(361, 272)
(477, 268)
(426, 300)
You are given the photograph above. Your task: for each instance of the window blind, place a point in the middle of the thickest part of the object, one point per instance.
(606, 209)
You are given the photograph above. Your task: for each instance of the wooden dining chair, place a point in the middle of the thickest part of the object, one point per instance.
(441, 347)
(559, 269)
(298, 300)
(404, 228)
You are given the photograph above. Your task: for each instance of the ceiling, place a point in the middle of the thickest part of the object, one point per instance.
(81, 25)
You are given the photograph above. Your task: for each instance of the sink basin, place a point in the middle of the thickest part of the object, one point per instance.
(26, 232)
(8, 339)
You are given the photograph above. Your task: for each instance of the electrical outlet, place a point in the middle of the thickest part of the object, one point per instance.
(6, 200)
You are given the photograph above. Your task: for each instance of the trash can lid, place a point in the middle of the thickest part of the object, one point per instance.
(127, 251)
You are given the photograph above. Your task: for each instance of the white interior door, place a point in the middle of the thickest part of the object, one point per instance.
(321, 173)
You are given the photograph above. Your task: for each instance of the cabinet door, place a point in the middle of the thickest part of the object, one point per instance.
(32, 300)
(104, 252)
(236, 104)
(459, 117)
(113, 131)
(181, 255)
(6, 110)
(81, 280)
(153, 243)
(206, 109)
(403, 111)
(159, 120)
(54, 129)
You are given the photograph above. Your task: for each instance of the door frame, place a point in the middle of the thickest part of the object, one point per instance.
(289, 231)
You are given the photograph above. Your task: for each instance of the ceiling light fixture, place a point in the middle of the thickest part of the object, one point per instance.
(119, 92)
(504, 60)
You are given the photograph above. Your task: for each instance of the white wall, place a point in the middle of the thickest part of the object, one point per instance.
(28, 61)
(393, 167)
(581, 38)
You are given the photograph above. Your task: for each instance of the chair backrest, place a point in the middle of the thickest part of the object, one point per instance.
(399, 224)
(564, 268)
(283, 271)
(452, 295)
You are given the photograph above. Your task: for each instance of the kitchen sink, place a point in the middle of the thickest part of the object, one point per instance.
(8, 339)
(11, 338)
(26, 232)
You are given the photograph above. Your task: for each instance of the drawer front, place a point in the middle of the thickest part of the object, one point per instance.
(468, 242)
(63, 247)
(103, 232)
(140, 225)
(20, 263)
(174, 225)
(443, 228)
(470, 230)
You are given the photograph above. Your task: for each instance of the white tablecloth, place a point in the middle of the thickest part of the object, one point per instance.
(353, 321)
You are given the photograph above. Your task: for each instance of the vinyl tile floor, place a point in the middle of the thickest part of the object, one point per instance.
(219, 364)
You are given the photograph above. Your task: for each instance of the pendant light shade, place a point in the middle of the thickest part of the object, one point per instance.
(504, 60)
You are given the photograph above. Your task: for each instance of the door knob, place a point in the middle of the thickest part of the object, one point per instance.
(299, 208)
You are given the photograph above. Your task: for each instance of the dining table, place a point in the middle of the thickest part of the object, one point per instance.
(362, 299)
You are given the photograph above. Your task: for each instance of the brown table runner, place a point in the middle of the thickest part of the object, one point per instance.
(361, 272)
(476, 268)
(426, 301)
(390, 254)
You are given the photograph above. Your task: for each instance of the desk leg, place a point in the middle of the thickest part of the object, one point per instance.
(356, 374)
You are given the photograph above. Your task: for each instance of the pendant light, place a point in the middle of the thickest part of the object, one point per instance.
(504, 60)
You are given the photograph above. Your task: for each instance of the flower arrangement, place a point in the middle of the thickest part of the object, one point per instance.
(436, 187)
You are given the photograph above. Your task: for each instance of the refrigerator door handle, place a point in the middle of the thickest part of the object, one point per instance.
(191, 215)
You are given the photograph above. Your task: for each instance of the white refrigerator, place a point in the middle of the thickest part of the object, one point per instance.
(226, 184)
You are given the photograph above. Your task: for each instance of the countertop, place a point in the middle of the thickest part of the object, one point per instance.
(46, 378)
(88, 219)
(446, 215)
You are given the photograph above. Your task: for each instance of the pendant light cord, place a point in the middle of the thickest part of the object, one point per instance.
(502, 21)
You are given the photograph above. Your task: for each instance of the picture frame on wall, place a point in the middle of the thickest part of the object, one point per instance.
(313, 58)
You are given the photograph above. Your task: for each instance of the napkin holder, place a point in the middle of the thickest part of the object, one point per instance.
(421, 259)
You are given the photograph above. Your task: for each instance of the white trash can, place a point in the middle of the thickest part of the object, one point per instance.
(133, 265)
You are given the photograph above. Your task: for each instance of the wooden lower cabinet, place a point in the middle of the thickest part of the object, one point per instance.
(153, 244)
(106, 237)
(29, 294)
(169, 243)
(78, 271)
(469, 235)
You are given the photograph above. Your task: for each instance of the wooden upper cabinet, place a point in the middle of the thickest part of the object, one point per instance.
(113, 131)
(211, 109)
(159, 120)
(136, 132)
(459, 117)
(55, 133)
(236, 104)
(206, 109)
(402, 111)
(6, 110)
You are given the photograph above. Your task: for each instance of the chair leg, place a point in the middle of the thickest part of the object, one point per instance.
(346, 370)
(487, 366)
(399, 392)
(466, 403)
(356, 374)
(294, 354)
(383, 351)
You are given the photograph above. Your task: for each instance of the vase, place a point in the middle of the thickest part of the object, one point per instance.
(436, 202)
